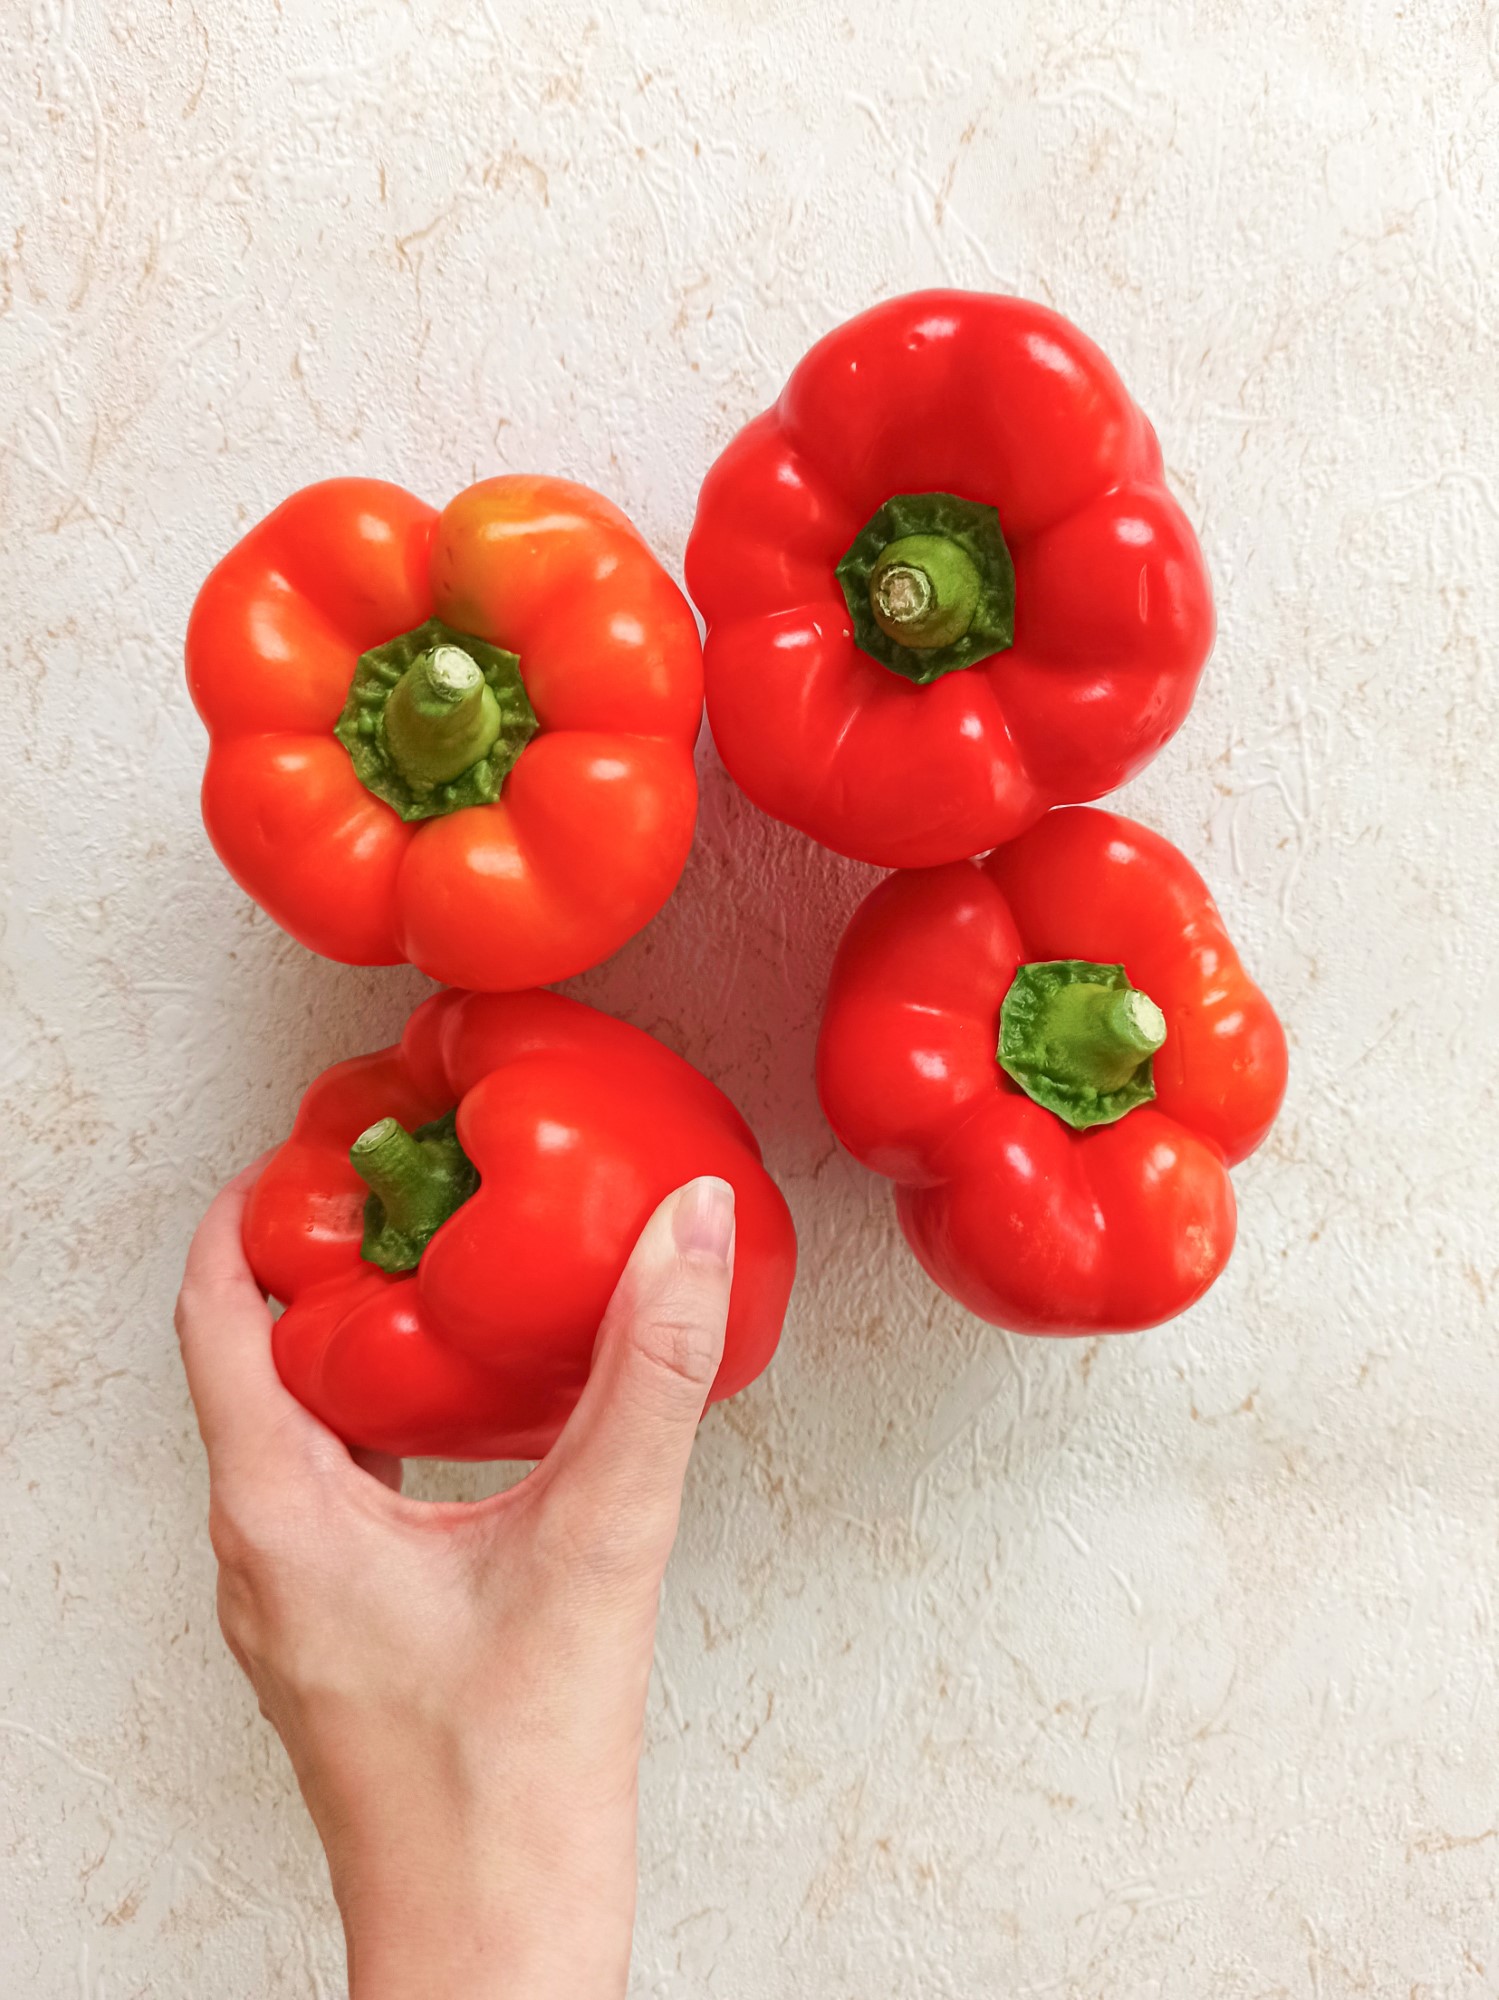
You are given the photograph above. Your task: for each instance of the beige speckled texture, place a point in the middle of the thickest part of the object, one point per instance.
(1160, 1667)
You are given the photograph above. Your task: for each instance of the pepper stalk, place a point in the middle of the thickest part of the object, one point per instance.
(416, 1181)
(435, 720)
(1079, 1038)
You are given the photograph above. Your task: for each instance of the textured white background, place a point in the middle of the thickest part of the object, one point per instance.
(1150, 1668)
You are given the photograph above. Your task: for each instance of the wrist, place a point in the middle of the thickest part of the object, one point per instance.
(490, 1947)
(487, 1959)
(516, 1918)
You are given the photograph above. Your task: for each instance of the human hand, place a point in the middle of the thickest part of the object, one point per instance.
(461, 1687)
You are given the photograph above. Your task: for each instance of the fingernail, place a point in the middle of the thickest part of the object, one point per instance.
(704, 1218)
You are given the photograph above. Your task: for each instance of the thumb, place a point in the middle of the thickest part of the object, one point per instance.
(619, 1464)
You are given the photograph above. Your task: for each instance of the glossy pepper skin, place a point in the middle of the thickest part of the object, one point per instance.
(996, 401)
(593, 823)
(578, 1126)
(1029, 1223)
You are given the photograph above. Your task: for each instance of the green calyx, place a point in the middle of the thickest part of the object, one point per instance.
(1078, 1038)
(416, 1181)
(930, 586)
(435, 720)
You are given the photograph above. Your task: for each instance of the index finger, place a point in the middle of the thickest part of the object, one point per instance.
(224, 1328)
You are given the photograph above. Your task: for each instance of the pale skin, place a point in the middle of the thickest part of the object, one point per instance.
(461, 1688)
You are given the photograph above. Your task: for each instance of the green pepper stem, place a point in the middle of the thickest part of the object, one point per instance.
(929, 585)
(1078, 1038)
(409, 1180)
(902, 596)
(924, 591)
(1134, 1022)
(1097, 1036)
(441, 717)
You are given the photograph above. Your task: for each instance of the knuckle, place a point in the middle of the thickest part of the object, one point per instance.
(198, 1295)
(227, 1536)
(242, 1620)
(678, 1339)
(246, 1537)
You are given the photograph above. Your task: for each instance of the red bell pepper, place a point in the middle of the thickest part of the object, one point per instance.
(463, 739)
(945, 585)
(449, 1217)
(1057, 1056)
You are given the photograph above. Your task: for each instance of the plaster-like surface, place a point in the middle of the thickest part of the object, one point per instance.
(1154, 1668)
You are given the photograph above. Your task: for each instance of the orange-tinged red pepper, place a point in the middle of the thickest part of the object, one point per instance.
(504, 796)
